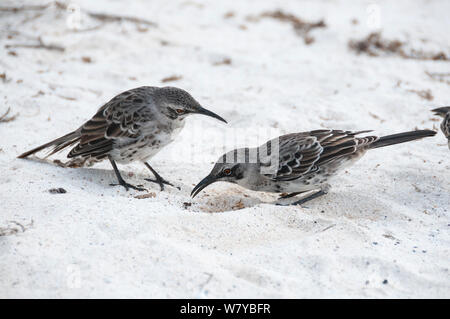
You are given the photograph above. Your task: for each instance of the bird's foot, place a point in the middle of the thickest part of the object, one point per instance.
(284, 205)
(128, 186)
(291, 204)
(289, 195)
(161, 182)
(305, 199)
(308, 198)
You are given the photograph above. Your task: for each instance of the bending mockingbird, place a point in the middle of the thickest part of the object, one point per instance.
(304, 161)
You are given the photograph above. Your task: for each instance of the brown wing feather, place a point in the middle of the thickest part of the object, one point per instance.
(121, 117)
(303, 153)
(297, 155)
(342, 143)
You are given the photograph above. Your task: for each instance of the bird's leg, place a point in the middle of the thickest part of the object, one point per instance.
(308, 198)
(323, 190)
(158, 179)
(120, 179)
(289, 195)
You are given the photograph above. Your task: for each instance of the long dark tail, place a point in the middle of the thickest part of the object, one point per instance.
(402, 138)
(442, 111)
(59, 144)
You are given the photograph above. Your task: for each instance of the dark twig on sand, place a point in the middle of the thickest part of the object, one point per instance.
(25, 8)
(99, 16)
(14, 228)
(114, 18)
(39, 45)
(172, 78)
(441, 77)
(424, 94)
(4, 118)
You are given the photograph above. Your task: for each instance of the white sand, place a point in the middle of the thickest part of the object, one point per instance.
(386, 221)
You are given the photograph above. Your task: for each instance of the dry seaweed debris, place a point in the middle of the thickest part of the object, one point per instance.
(375, 45)
(229, 14)
(224, 61)
(14, 227)
(302, 28)
(376, 117)
(441, 77)
(25, 8)
(4, 118)
(172, 78)
(144, 196)
(118, 18)
(99, 16)
(4, 78)
(86, 59)
(239, 205)
(39, 45)
(424, 94)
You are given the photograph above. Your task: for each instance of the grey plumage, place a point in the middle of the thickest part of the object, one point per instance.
(444, 112)
(134, 125)
(306, 161)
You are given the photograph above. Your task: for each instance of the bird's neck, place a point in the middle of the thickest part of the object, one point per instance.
(175, 126)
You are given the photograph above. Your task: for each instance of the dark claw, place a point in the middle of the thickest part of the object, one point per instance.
(278, 204)
(158, 179)
(161, 183)
(300, 202)
(285, 205)
(308, 198)
(128, 186)
(289, 195)
(303, 200)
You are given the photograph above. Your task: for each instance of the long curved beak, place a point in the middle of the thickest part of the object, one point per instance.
(209, 113)
(441, 110)
(208, 180)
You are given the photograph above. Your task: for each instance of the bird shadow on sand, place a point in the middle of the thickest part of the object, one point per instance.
(418, 186)
(336, 204)
(104, 177)
(351, 205)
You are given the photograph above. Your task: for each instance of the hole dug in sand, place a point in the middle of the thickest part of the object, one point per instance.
(228, 200)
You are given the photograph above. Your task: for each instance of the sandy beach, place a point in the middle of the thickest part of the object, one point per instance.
(268, 67)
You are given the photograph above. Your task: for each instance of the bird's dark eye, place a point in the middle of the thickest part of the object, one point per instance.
(227, 171)
(179, 111)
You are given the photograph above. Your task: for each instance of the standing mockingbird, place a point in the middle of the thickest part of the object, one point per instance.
(134, 125)
(304, 161)
(445, 125)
